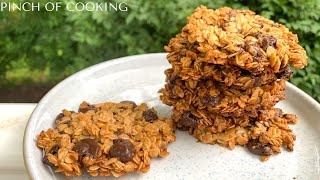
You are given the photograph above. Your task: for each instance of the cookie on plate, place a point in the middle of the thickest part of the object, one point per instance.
(263, 135)
(106, 139)
(228, 70)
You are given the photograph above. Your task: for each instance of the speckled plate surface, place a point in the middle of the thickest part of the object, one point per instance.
(139, 78)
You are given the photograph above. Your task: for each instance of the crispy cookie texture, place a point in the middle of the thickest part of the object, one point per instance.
(263, 135)
(235, 37)
(230, 76)
(216, 98)
(106, 139)
(228, 70)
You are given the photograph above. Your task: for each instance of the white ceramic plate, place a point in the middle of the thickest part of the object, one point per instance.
(139, 78)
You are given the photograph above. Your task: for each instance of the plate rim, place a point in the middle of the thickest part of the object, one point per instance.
(104, 64)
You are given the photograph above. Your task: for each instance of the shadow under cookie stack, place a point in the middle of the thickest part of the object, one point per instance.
(229, 69)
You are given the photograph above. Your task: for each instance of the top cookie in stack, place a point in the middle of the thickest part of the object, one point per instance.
(213, 41)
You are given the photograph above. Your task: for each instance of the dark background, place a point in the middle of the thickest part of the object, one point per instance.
(39, 49)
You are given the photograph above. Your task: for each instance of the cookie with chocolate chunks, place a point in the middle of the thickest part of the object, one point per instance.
(106, 139)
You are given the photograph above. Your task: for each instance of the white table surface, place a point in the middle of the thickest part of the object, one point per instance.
(13, 119)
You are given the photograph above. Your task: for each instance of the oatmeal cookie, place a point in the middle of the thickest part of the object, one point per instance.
(263, 135)
(236, 37)
(106, 139)
(231, 76)
(217, 98)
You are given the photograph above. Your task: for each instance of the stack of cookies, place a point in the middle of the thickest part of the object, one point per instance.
(229, 69)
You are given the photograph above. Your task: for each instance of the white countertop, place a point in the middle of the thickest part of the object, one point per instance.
(13, 119)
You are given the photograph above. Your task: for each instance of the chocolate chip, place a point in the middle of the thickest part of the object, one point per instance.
(60, 121)
(86, 147)
(268, 41)
(88, 108)
(245, 72)
(59, 116)
(53, 151)
(252, 122)
(285, 74)
(122, 149)
(258, 148)
(172, 80)
(188, 120)
(149, 115)
(129, 102)
(208, 100)
(46, 161)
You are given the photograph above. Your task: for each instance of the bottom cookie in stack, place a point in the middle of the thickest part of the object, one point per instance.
(263, 135)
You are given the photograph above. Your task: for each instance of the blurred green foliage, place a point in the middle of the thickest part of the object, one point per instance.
(57, 44)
